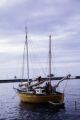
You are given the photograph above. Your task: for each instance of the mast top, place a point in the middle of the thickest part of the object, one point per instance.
(26, 32)
(50, 37)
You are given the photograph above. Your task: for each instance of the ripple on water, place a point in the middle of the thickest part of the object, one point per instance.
(12, 109)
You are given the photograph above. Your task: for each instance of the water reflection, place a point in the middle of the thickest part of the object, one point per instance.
(12, 109)
(36, 107)
(37, 111)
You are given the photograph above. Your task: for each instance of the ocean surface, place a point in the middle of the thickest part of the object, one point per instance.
(12, 109)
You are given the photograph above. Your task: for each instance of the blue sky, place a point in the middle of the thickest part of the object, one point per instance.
(60, 18)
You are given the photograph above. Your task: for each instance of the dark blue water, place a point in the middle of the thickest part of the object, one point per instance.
(12, 109)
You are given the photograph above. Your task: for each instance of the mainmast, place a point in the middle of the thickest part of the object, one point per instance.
(49, 57)
(27, 51)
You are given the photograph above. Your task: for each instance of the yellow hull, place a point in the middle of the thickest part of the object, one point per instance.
(32, 98)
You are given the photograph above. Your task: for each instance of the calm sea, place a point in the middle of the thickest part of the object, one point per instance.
(12, 109)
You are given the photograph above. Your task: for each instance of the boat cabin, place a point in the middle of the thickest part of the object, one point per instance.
(39, 90)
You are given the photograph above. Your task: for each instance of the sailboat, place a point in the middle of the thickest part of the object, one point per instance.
(33, 92)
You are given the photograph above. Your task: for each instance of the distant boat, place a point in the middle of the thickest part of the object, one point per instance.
(33, 92)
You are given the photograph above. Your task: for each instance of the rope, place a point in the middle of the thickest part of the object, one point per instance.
(65, 86)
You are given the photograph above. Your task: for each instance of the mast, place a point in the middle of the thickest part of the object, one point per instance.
(50, 58)
(27, 51)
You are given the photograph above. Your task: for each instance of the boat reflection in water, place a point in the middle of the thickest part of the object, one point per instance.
(33, 111)
(40, 107)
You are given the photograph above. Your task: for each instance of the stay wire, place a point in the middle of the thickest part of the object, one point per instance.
(40, 64)
(65, 86)
(23, 63)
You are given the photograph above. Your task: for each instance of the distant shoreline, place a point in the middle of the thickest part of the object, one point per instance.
(25, 80)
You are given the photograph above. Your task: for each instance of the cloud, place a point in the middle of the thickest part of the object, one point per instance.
(59, 18)
(5, 3)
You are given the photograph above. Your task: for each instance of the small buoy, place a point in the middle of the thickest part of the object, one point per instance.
(56, 104)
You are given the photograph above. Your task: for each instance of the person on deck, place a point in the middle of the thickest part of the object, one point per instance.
(48, 88)
(39, 78)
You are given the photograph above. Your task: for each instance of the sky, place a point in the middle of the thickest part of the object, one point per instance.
(58, 18)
